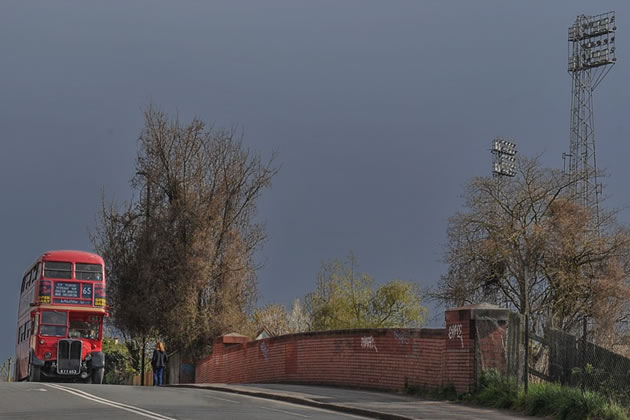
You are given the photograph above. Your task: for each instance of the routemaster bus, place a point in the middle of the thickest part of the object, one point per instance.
(60, 319)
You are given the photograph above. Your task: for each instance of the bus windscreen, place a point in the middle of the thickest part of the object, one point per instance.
(54, 317)
(53, 323)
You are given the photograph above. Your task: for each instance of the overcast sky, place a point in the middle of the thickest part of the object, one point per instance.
(380, 111)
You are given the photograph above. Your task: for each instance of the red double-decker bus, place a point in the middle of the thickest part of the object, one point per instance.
(60, 318)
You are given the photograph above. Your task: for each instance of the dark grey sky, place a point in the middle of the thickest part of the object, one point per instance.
(380, 110)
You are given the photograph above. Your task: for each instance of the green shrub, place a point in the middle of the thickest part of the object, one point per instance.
(545, 399)
(610, 412)
(495, 390)
(118, 362)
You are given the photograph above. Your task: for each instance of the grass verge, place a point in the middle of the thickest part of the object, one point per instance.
(551, 400)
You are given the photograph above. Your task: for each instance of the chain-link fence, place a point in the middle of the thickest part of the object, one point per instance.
(566, 358)
(575, 361)
(5, 371)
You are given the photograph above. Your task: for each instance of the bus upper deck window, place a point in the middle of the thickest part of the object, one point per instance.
(57, 270)
(88, 272)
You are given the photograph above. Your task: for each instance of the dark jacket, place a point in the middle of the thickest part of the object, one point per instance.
(159, 359)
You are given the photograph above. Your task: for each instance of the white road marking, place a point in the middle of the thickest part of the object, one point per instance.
(224, 399)
(38, 389)
(285, 412)
(126, 407)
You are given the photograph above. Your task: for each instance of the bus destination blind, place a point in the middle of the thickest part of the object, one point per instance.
(70, 293)
(67, 290)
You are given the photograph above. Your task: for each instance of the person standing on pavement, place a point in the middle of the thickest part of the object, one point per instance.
(158, 361)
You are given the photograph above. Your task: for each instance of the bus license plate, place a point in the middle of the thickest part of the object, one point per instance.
(67, 372)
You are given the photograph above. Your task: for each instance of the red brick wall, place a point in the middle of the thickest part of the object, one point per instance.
(378, 358)
(460, 355)
(382, 358)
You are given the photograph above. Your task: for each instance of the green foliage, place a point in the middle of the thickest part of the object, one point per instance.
(550, 400)
(134, 348)
(545, 399)
(118, 361)
(611, 412)
(344, 298)
(495, 390)
(613, 387)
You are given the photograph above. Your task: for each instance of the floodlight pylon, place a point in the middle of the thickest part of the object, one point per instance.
(591, 57)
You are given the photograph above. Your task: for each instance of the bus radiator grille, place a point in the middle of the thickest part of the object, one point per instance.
(69, 357)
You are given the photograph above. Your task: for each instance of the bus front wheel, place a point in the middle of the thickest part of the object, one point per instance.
(97, 376)
(34, 374)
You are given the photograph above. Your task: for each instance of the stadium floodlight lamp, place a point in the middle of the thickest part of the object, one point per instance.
(504, 152)
(504, 146)
(592, 37)
(504, 169)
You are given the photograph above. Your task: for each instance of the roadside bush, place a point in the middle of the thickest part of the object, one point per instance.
(495, 390)
(543, 400)
(546, 400)
(118, 362)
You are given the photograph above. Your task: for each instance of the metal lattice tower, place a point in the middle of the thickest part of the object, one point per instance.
(591, 57)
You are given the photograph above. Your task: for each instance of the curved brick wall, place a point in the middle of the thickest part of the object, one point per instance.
(374, 358)
(380, 358)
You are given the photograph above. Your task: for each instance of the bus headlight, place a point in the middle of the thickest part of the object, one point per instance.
(47, 355)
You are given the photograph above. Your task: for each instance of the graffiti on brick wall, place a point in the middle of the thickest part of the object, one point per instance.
(401, 337)
(455, 333)
(264, 349)
(368, 343)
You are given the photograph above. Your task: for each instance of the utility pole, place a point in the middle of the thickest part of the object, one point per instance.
(147, 215)
(504, 165)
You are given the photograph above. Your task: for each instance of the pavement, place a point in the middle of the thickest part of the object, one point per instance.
(373, 404)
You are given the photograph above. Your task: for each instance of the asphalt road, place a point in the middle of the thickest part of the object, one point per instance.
(383, 405)
(80, 401)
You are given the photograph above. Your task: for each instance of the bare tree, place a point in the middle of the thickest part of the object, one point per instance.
(276, 320)
(273, 318)
(524, 243)
(182, 253)
(298, 318)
